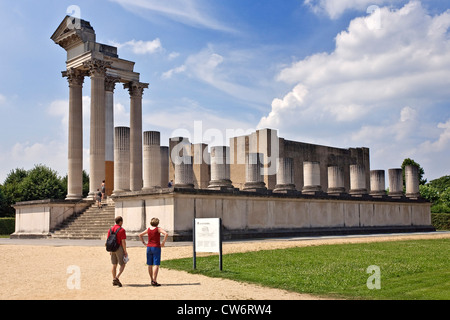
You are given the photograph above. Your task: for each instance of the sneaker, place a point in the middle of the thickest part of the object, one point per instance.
(116, 282)
(155, 284)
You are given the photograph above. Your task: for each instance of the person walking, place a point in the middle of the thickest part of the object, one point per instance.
(98, 196)
(117, 257)
(154, 245)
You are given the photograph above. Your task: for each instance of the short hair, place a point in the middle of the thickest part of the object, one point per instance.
(119, 219)
(154, 222)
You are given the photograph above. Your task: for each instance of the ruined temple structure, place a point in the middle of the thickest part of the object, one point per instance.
(260, 184)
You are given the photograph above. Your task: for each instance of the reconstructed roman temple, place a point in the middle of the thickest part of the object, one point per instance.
(261, 185)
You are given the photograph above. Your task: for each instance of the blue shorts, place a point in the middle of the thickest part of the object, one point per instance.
(153, 256)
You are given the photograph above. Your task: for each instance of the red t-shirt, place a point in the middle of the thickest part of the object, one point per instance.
(121, 235)
(154, 238)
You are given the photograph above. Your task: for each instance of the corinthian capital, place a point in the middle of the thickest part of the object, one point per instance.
(136, 89)
(96, 67)
(75, 77)
(110, 83)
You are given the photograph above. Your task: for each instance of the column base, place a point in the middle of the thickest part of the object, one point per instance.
(336, 191)
(284, 188)
(220, 184)
(71, 197)
(255, 186)
(358, 192)
(184, 186)
(312, 190)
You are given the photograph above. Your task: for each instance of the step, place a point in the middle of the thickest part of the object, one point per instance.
(93, 223)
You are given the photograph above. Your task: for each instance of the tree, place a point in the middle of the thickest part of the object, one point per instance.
(39, 183)
(42, 183)
(408, 162)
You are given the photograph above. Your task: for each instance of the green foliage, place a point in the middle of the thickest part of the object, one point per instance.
(409, 270)
(441, 221)
(7, 226)
(438, 193)
(411, 162)
(39, 183)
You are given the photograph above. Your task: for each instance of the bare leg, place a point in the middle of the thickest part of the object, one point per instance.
(122, 267)
(155, 273)
(114, 270)
(150, 272)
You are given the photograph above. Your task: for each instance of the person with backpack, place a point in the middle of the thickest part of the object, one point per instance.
(117, 246)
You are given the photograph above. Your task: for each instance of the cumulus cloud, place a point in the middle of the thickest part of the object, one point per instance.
(374, 88)
(335, 8)
(141, 47)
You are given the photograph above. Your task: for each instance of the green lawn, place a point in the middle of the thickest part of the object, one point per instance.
(418, 269)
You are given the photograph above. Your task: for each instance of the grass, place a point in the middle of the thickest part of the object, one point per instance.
(418, 269)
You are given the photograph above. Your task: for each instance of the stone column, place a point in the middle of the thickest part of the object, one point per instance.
(110, 84)
(184, 173)
(220, 169)
(75, 156)
(164, 151)
(335, 181)
(357, 180)
(97, 70)
(136, 90)
(152, 159)
(412, 181)
(121, 160)
(285, 175)
(254, 180)
(311, 178)
(377, 183)
(395, 182)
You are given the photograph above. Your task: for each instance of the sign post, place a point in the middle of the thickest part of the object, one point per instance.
(207, 237)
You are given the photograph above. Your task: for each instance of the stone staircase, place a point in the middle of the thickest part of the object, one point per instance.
(92, 224)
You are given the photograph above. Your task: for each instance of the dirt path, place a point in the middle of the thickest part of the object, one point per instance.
(46, 272)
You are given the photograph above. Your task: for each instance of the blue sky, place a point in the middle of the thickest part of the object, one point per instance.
(345, 73)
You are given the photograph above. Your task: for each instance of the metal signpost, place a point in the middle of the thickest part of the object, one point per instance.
(207, 237)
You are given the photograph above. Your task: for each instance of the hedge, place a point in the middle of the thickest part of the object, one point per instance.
(441, 221)
(7, 226)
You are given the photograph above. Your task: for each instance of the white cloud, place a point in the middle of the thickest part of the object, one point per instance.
(374, 89)
(335, 8)
(196, 13)
(141, 47)
(2, 99)
(168, 74)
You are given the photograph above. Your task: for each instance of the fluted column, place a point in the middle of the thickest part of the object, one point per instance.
(395, 182)
(357, 180)
(377, 183)
(121, 160)
(285, 175)
(311, 177)
(164, 152)
(184, 173)
(220, 168)
(335, 180)
(97, 71)
(152, 160)
(75, 155)
(136, 90)
(110, 84)
(412, 181)
(254, 181)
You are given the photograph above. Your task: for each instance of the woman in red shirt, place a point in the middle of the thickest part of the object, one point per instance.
(154, 248)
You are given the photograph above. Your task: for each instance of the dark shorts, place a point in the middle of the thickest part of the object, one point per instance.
(153, 256)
